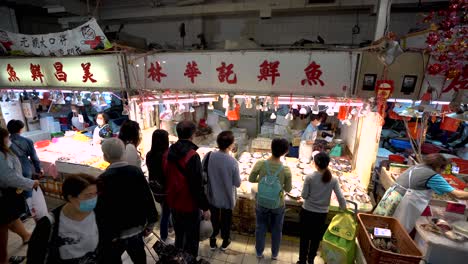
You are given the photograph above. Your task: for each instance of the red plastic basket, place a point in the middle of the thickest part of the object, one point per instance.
(454, 181)
(462, 164)
(42, 144)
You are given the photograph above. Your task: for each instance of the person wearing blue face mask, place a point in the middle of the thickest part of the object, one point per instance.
(70, 234)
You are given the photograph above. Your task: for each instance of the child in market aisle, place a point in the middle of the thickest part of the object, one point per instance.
(265, 214)
(316, 195)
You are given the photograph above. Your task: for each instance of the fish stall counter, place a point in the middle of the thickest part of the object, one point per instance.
(70, 155)
(341, 168)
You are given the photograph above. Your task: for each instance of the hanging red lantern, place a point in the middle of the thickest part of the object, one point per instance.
(432, 38)
(434, 69)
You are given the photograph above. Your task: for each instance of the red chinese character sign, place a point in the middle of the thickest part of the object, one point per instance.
(155, 72)
(87, 72)
(59, 73)
(269, 70)
(12, 74)
(192, 71)
(226, 74)
(36, 73)
(313, 74)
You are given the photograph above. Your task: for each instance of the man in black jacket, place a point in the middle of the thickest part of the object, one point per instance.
(186, 203)
(126, 204)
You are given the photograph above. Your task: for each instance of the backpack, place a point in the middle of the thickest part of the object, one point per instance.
(269, 189)
(178, 192)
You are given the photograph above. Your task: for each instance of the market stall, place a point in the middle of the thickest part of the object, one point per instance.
(259, 96)
(40, 91)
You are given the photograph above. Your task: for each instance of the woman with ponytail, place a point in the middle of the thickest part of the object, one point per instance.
(316, 195)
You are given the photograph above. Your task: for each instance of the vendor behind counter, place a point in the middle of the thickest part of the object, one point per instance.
(309, 136)
(78, 119)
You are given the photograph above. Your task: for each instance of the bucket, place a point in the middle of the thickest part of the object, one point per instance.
(343, 112)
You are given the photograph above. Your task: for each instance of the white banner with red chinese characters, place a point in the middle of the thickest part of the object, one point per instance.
(99, 71)
(309, 73)
(84, 39)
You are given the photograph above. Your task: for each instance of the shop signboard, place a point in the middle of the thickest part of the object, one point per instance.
(103, 71)
(266, 72)
(85, 39)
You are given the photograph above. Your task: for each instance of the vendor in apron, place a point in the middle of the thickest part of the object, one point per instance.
(78, 119)
(306, 146)
(103, 129)
(412, 192)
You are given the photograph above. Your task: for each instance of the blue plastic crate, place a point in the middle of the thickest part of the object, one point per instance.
(400, 143)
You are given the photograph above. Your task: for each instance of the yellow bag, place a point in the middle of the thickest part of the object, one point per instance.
(343, 225)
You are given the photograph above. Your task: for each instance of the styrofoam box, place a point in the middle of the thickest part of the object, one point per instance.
(438, 249)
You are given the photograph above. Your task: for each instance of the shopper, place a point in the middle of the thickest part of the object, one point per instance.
(78, 119)
(103, 130)
(157, 178)
(422, 180)
(130, 134)
(316, 195)
(270, 197)
(222, 180)
(70, 234)
(125, 205)
(12, 203)
(184, 188)
(24, 149)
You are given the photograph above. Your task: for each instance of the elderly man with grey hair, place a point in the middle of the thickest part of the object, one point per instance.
(126, 206)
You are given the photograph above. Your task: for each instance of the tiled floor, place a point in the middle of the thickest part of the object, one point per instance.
(241, 250)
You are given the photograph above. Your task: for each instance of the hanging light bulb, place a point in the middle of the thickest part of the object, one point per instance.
(79, 100)
(303, 110)
(74, 100)
(315, 108)
(287, 116)
(102, 101)
(68, 98)
(182, 108)
(210, 106)
(273, 116)
(295, 107)
(61, 99)
(94, 99)
(258, 105)
(226, 101)
(248, 102)
(330, 111)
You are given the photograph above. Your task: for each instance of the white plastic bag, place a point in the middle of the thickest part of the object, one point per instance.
(38, 204)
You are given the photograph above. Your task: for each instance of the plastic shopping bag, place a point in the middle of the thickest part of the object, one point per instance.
(338, 244)
(38, 204)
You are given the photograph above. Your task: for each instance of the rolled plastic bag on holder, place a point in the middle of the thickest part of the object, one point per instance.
(38, 205)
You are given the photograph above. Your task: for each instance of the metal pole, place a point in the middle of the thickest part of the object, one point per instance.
(383, 18)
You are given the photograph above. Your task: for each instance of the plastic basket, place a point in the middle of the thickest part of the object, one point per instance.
(409, 252)
(454, 181)
(400, 143)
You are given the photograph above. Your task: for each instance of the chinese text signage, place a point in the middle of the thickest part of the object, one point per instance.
(305, 73)
(88, 71)
(84, 39)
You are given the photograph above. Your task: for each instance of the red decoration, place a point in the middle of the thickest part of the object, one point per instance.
(155, 72)
(225, 72)
(458, 83)
(384, 89)
(59, 73)
(443, 58)
(12, 74)
(87, 73)
(192, 71)
(432, 38)
(269, 69)
(434, 69)
(36, 72)
(453, 73)
(313, 74)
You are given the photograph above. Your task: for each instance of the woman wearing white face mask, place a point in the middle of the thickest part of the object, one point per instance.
(78, 118)
(103, 129)
(70, 234)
